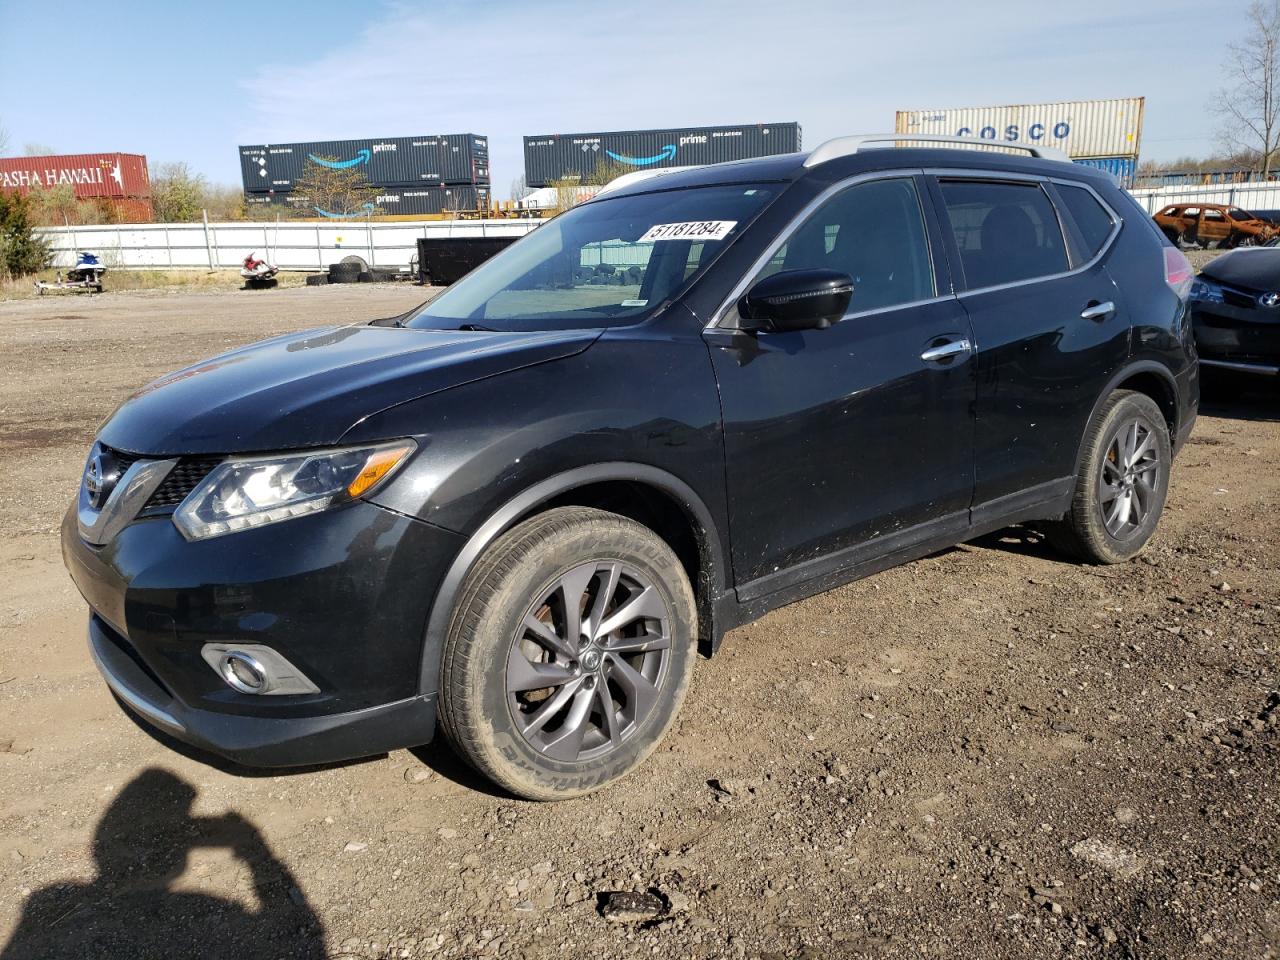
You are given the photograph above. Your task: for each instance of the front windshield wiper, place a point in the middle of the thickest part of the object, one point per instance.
(476, 328)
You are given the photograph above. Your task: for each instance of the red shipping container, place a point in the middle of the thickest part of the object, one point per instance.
(91, 175)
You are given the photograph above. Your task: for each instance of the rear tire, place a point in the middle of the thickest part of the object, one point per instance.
(580, 698)
(1121, 485)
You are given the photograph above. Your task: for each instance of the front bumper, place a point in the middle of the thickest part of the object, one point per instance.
(259, 741)
(1237, 338)
(343, 595)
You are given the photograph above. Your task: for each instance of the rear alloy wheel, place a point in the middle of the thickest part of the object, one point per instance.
(1122, 482)
(569, 653)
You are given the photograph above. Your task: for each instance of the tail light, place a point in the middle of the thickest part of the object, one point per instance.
(1178, 272)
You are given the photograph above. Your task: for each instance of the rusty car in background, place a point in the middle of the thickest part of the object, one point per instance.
(1214, 224)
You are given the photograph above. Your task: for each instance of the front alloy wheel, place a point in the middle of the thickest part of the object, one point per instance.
(569, 653)
(588, 660)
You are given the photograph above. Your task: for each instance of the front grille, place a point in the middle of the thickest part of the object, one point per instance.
(1238, 299)
(182, 479)
(122, 460)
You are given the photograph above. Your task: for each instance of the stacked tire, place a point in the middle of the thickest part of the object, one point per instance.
(345, 272)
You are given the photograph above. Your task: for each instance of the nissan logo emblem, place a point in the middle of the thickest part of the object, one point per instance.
(100, 478)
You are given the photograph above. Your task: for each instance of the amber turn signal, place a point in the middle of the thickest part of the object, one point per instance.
(376, 467)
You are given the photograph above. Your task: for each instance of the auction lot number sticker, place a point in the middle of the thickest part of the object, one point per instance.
(692, 230)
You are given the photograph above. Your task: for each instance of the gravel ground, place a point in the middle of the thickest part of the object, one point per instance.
(991, 752)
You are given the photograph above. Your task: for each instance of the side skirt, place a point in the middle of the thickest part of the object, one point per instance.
(760, 596)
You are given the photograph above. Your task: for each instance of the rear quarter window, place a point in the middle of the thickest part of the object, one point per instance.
(1093, 220)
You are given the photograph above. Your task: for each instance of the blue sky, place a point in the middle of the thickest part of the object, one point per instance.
(191, 81)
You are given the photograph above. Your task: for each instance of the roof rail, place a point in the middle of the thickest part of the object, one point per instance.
(846, 146)
(627, 179)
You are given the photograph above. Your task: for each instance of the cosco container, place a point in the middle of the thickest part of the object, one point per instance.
(585, 156)
(1122, 168)
(1082, 128)
(391, 201)
(90, 175)
(390, 162)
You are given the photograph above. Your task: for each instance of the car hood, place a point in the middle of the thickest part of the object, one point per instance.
(1256, 268)
(308, 389)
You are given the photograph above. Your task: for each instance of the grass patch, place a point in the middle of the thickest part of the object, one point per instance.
(118, 280)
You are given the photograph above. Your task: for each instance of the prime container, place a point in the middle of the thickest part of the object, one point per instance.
(393, 201)
(555, 157)
(91, 176)
(1081, 128)
(455, 158)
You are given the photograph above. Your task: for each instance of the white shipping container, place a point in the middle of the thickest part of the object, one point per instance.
(1083, 128)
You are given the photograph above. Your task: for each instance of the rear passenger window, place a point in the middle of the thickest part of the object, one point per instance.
(1091, 217)
(1006, 232)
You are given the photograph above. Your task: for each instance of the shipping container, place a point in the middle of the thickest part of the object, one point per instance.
(391, 201)
(576, 156)
(1082, 128)
(1122, 168)
(390, 162)
(90, 175)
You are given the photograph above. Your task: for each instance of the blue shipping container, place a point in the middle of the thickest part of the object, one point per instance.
(1122, 168)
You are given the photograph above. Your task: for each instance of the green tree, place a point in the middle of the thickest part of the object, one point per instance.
(343, 191)
(177, 194)
(22, 250)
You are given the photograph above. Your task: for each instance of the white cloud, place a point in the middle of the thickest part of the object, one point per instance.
(507, 69)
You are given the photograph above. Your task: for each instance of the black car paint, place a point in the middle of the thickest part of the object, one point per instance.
(307, 389)
(794, 469)
(1234, 328)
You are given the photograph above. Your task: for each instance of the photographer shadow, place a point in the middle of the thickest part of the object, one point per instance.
(130, 909)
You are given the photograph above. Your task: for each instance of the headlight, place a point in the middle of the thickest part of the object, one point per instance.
(1205, 291)
(254, 491)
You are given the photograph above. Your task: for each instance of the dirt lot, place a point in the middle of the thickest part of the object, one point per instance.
(988, 753)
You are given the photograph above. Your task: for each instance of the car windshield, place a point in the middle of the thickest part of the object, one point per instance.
(609, 262)
(1235, 213)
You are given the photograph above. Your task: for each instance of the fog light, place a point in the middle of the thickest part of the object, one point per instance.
(256, 668)
(242, 672)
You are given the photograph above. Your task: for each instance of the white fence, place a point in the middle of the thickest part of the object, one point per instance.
(313, 246)
(291, 246)
(1251, 196)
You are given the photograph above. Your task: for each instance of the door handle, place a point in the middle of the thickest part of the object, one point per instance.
(1098, 311)
(944, 352)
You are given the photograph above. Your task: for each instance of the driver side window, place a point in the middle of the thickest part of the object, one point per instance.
(875, 233)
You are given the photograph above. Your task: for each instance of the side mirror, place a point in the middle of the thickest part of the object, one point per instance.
(796, 300)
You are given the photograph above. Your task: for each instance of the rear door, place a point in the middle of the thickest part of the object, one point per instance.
(1049, 325)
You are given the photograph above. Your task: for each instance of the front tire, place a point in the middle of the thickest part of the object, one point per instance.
(1122, 482)
(569, 653)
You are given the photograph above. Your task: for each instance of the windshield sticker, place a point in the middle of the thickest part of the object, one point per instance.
(635, 303)
(693, 230)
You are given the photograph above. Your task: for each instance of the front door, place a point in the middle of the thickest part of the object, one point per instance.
(1214, 226)
(860, 432)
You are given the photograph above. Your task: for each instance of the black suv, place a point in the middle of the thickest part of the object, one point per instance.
(520, 509)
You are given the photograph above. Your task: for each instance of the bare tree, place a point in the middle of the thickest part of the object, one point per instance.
(331, 190)
(38, 150)
(1249, 108)
(519, 188)
(4, 139)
